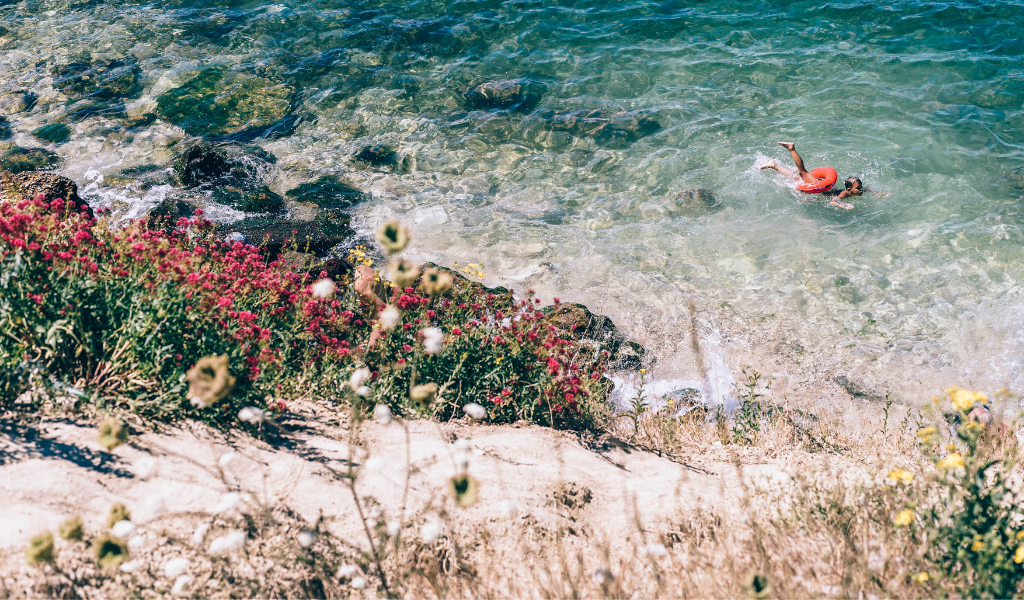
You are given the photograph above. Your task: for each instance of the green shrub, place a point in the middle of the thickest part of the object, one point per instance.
(120, 317)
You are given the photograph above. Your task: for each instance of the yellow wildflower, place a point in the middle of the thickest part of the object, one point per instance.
(901, 475)
(921, 577)
(1020, 535)
(964, 399)
(952, 461)
(1018, 556)
(927, 435)
(977, 545)
(906, 517)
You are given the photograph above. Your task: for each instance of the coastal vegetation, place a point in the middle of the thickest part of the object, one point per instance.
(163, 322)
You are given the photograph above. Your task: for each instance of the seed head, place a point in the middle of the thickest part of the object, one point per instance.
(305, 538)
(145, 467)
(423, 394)
(475, 411)
(110, 551)
(176, 567)
(112, 433)
(118, 512)
(436, 282)
(347, 571)
(433, 339)
(430, 531)
(758, 586)
(40, 549)
(228, 542)
(324, 289)
(355, 381)
(393, 236)
(251, 414)
(382, 414)
(122, 529)
(72, 528)
(463, 489)
(389, 318)
(403, 273)
(209, 381)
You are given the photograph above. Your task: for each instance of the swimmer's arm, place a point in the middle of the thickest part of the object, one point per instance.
(836, 202)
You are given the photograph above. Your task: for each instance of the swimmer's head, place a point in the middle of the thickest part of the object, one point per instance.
(854, 186)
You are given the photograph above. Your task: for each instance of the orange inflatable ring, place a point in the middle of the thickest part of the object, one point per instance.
(826, 178)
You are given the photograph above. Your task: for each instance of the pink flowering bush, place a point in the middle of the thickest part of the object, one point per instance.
(117, 316)
(497, 352)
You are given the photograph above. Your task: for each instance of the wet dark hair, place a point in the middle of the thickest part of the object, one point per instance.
(850, 180)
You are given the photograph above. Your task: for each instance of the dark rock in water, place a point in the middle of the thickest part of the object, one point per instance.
(302, 262)
(201, 163)
(511, 94)
(273, 235)
(328, 191)
(218, 103)
(615, 130)
(334, 222)
(111, 109)
(249, 199)
(5, 129)
(115, 79)
(409, 83)
(576, 322)
(167, 213)
(16, 102)
(29, 184)
(378, 156)
(207, 164)
(57, 133)
(236, 176)
(694, 202)
(139, 120)
(17, 160)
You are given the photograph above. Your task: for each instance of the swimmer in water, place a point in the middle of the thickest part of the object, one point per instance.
(854, 187)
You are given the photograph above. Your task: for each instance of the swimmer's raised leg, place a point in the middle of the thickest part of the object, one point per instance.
(785, 171)
(799, 162)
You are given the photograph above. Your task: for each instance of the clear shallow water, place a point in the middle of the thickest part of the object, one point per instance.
(922, 100)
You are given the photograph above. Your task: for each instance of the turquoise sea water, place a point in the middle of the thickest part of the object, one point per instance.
(923, 100)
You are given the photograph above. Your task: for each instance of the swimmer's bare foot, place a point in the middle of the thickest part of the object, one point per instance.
(365, 280)
(771, 165)
(788, 145)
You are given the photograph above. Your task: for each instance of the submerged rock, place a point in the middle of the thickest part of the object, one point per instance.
(510, 94)
(694, 202)
(208, 164)
(16, 102)
(218, 103)
(327, 191)
(17, 159)
(303, 262)
(169, 211)
(5, 129)
(379, 155)
(57, 133)
(29, 184)
(613, 129)
(334, 222)
(275, 235)
(114, 79)
(249, 199)
(576, 322)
